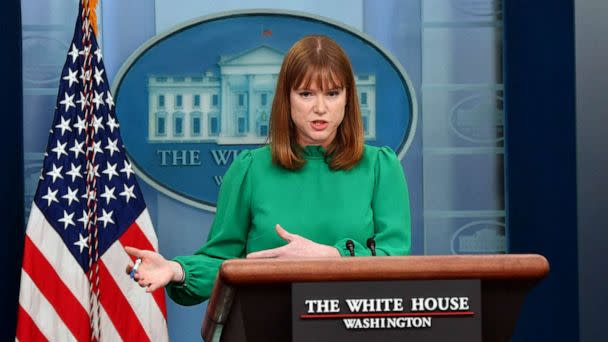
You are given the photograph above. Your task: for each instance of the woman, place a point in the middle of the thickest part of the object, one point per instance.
(315, 191)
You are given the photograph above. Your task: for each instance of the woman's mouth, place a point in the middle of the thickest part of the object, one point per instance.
(319, 125)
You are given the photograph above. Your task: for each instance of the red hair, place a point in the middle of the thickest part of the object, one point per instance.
(316, 59)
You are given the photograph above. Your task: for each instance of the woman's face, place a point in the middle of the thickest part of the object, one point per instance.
(317, 114)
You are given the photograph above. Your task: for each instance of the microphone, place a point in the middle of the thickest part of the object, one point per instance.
(371, 244)
(351, 247)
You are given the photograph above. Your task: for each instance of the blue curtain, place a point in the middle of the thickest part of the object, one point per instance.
(11, 182)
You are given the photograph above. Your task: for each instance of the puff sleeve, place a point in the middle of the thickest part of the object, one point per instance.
(390, 207)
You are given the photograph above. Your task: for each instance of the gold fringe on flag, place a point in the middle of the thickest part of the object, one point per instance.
(93, 15)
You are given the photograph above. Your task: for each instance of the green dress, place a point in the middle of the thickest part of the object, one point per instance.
(325, 206)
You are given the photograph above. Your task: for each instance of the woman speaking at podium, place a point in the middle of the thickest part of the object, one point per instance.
(316, 190)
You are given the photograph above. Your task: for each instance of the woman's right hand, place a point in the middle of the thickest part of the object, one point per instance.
(154, 271)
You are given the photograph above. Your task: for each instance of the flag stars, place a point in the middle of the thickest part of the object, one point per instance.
(92, 172)
(87, 48)
(67, 220)
(50, 197)
(128, 192)
(84, 89)
(108, 194)
(77, 148)
(94, 168)
(80, 124)
(98, 54)
(98, 99)
(98, 77)
(74, 53)
(55, 173)
(128, 170)
(85, 75)
(82, 242)
(91, 195)
(85, 218)
(97, 122)
(71, 77)
(106, 217)
(112, 124)
(74, 172)
(71, 195)
(64, 125)
(84, 124)
(110, 170)
(109, 100)
(83, 103)
(97, 147)
(68, 101)
(60, 149)
(111, 146)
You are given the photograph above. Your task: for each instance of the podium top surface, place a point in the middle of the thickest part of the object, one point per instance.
(484, 267)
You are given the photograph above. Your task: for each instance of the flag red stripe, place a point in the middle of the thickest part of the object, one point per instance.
(118, 309)
(27, 330)
(134, 237)
(68, 308)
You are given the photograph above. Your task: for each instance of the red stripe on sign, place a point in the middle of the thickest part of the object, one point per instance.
(68, 308)
(389, 314)
(134, 237)
(27, 330)
(118, 308)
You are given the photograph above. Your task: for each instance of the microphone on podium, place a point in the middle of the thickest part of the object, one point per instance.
(350, 245)
(371, 244)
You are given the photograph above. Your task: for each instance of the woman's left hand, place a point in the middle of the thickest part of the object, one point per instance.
(296, 247)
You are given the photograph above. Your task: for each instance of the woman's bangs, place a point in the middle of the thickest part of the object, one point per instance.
(326, 78)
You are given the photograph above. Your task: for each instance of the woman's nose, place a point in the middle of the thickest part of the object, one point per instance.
(320, 107)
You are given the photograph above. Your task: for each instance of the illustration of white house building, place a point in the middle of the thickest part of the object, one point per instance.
(232, 107)
(484, 241)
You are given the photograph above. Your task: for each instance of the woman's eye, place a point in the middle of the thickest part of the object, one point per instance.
(305, 94)
(333, 93)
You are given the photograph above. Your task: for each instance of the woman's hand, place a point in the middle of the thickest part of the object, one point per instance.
(154, 271)
(296, 247)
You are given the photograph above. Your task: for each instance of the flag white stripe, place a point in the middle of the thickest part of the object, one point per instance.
(145, 307)
(145, 224)
(54, 250)
(42, 312)
(108, 331)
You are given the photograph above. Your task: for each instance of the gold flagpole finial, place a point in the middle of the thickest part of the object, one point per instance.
(92, 15)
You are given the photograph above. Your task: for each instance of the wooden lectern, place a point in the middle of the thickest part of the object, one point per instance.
(251, 300)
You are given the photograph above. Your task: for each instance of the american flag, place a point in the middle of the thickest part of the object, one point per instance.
(87, 206)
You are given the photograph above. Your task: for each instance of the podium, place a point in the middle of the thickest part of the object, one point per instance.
(251, 299)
